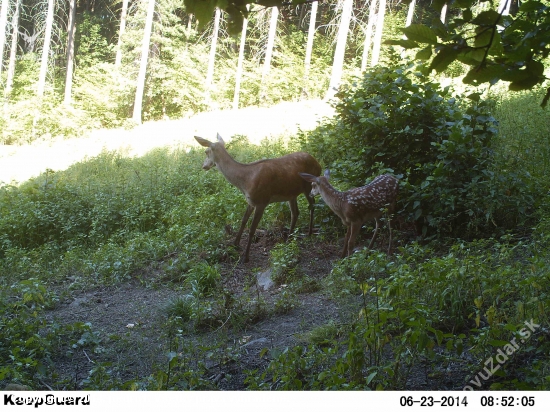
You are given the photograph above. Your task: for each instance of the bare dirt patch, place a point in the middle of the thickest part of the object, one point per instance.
(130, 320)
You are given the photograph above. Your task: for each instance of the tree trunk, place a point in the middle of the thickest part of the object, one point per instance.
(408, 22)
(189, 23)
(70, 52)
(504, 7)
(13, 49)
(46, 49)
(338, 63)
(368, 35)
(378, 34)
(410, 15)
(212, 58)
(3, 23)
(143, 62)
(239, 73)
(309, 46)
(121, 31)
(269, 50)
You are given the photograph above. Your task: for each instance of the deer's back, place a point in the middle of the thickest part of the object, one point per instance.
(364, 203)
(278, 180)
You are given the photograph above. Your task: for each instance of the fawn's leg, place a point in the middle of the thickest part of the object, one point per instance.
(345, 250)
(375, 233)
(354, 229)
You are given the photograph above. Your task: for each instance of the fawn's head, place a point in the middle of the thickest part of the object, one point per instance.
(316, 181)
(213, 148)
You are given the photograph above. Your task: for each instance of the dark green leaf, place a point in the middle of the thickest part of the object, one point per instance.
(442, 59)
(202, 9)
(407, 44)
(487, 18)
(269, 3)
(420, 34)
(535, 68)
(524, 84)
(485, 74)
(424, 54)
(471, 56)
(474, 96)
(530, 6)
(465, 4)
(438, 4)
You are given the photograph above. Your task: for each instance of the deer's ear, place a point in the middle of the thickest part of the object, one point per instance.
(220, 140)
(203, 142)
(327, 174)
(308, 178)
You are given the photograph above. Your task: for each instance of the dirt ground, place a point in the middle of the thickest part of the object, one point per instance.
(131, 319)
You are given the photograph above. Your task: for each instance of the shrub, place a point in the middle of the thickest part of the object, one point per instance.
(396, 119)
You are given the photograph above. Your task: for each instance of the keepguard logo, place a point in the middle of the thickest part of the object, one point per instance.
(48, 399)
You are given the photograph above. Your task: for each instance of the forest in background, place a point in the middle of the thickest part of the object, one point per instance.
(65, 91)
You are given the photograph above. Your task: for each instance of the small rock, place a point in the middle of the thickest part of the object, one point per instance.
(16, 387)
(264, 280)
(254, 342)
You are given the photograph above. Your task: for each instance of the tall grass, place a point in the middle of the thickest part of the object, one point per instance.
(102, 219)
(524, 133)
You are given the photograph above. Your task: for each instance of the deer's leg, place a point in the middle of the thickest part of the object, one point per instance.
(354, 229)
(375, 232)
(389, 228)
(294, 212)
(345, 250)
(246, 216)
(311, 202)
(258, 213)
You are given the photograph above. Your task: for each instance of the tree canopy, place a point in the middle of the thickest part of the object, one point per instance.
(496, 46)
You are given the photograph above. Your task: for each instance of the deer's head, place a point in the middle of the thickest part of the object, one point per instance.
(212, 151)
(316, 181)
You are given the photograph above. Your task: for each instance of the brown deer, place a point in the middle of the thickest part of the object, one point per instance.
(358, 205)
(264, 182)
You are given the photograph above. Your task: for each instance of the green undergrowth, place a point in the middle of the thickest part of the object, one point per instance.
(111, 219)
(102, 219)
(429, 310)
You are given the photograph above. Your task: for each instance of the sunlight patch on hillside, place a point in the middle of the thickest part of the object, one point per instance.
(20, 163)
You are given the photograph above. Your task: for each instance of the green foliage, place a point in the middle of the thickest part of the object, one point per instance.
(395, 119)
(424, 307)
(496, 47)
(285, 302)
(203, 279)
(104, 94)
(28, 343)
(93, 47)
(283, 259)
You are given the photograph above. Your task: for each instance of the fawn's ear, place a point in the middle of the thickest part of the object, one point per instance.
(327, 174)
(220, 140)
(308, 178)
(203, 142)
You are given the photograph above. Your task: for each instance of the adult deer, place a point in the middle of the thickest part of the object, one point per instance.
(264, 182)
(358, 205)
